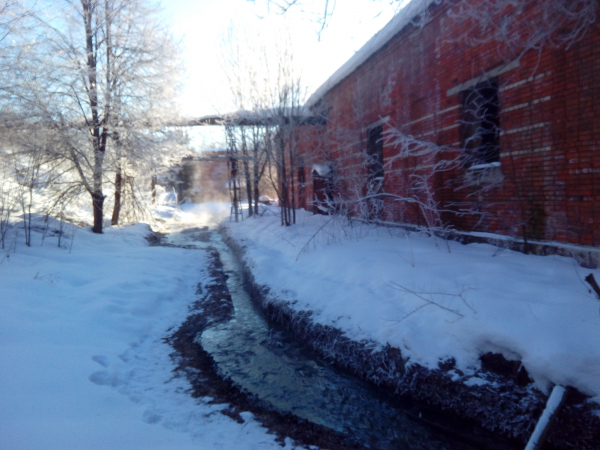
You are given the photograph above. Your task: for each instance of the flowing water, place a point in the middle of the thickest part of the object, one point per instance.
(288, 378)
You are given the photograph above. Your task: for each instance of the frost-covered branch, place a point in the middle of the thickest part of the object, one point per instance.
(518, 26)
(96, 78)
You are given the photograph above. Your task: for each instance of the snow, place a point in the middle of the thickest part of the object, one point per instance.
(476, 381)
(194, 214)
(84, 364)
(375, 283)
(321, 169)
(573, 247)
(485, 166)
(257, 116)
(83, 360)
(394, 26)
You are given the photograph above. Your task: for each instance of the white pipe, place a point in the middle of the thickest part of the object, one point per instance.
(554, 402)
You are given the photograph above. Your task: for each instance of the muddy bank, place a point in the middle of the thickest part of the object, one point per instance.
(214, 305)
(498, 406)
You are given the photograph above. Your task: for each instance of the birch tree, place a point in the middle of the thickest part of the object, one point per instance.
(104, 68)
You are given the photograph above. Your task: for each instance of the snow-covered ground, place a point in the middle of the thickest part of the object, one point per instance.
(83, 364)
(81, 326)
(433, 300)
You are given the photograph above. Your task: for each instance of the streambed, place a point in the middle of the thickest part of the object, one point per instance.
(283, 376)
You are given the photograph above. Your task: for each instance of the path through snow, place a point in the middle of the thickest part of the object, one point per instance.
(84, 365)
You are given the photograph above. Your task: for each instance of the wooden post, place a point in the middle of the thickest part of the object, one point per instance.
(592, 281)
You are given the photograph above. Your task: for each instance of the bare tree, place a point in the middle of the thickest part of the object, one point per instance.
(323, 12)
(103, 67)
(520, 26)
(12, 23)
(137, 158)
(290, 113)
(8, 199)
(269, 96)
(322, 15)
(15, 22)
(240, 67)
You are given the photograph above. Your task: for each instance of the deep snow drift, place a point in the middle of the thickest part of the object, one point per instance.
(83, 361)
(431, 299)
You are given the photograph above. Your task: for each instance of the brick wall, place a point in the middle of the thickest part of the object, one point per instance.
(548, 182)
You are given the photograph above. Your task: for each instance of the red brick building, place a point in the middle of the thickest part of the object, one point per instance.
(213, 182)
(447, 122)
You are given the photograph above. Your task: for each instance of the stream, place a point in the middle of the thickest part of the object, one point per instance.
(287, 377)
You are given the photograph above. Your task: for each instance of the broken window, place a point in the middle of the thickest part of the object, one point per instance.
(301, 187)
(481, 124)
(374, 161)
(322, 188)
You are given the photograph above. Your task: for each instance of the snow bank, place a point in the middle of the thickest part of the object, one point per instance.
(431, 299)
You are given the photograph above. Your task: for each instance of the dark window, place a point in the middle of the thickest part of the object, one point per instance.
(322, 189)
(374, 161)
(301, 187)
(481, 123)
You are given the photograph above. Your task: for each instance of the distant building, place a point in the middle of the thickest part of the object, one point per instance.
(204, 178)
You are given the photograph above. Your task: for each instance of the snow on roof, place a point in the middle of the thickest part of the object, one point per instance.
(382, 37)
(321, 169)
(300, 111)
(256, 117)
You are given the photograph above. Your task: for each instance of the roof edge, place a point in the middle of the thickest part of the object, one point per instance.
(373, 45)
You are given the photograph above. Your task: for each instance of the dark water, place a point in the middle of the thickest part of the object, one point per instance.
(288, 378)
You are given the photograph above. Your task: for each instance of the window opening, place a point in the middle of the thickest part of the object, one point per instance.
(301, 187)
(322, 188)
(481, 123)
(375, 160)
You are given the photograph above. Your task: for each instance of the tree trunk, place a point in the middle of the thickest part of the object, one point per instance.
(98, 206)
(118, 190)
(592, 280)
(292, 184)
(248, 183)
(256, 192)
(153, 188)
(98, 137)
(246, 166)
(284, 191)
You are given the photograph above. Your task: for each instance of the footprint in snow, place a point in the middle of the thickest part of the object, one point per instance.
(151, 417)
(103, 378)
(100, 359)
